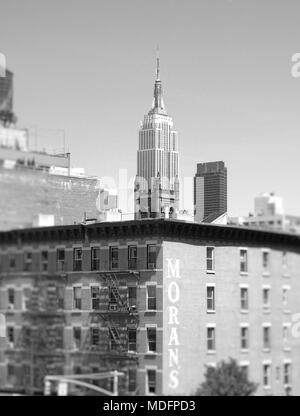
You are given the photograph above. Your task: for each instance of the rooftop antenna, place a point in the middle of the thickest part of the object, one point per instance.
(157, 63)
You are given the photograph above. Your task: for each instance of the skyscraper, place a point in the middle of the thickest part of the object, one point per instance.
(157, 183)
(210, 191)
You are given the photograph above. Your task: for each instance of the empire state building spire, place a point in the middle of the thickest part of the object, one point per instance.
(158, 103)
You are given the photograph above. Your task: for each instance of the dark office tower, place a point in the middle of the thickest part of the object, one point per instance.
(6, 98)
(210, 191)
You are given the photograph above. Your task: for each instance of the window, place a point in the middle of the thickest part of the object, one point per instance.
(11, 376)
(132, 257)
(77, 259)
(284, 259)
(60, 259)
(95, 294)
(11, 335)
(131, 339)
(210, 300)
(151, 298)
(211, 338)
(77, 297)
(131, 380)
(26, 297)
(27, 261)
(132, 296)
(266, 258)
(244, 298)
(95, 336)
(151, 381)
(114, 257)
(210, 259)
(44, 261)
(267, 337)
(245, 370)
(77, 336)
(243, 261)
(151, 256)
(11, 262)
(266, 298)
(285, 333)
(95, 258)
(266, 375)
(11, 298)
(287, 373)
(151, 337)
(285, 296)
(60, 291)
(244, 337)
(59, 340)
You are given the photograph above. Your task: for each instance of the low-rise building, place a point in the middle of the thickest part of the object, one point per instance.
(158, 299)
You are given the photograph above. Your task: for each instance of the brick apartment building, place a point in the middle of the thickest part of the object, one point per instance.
(157, 299)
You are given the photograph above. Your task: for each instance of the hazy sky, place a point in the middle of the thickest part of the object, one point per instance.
(87, 67)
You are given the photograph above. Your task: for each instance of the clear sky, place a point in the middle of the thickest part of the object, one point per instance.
(87, 67)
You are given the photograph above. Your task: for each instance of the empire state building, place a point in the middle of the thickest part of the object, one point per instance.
(157, 183)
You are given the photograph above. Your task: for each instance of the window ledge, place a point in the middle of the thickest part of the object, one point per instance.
(266, 349)
(150, 310)
(266, 274)
(210, 272)
(211, 311)
(244, 273)
(211, 352)
(244, 350)
(287, 349)
(244, 311)
(151, 353)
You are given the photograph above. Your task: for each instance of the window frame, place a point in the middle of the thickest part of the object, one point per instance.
(210, 259)
(210, 299)
(153, 382)
(95, 261)
(77, 300)
(95, 297)
(77, 262)
(151, 343)
(132, 260)
(113, 262)
(150, 299)
(211, 339)
(244, 261)
(151, 265)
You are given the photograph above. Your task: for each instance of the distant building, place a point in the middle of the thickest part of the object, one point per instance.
(157, 183)
(269, 214)
(6, 92)
(210, 191)
(38, 188)
(156, 299)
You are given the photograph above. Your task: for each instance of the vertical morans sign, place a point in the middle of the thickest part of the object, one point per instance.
(171, 327)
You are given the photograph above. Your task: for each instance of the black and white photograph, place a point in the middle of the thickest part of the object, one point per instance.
(149, 201)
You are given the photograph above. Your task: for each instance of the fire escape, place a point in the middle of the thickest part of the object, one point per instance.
(113, 315)
(39, 349)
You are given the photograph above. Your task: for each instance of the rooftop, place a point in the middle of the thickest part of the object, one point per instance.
(167, 229)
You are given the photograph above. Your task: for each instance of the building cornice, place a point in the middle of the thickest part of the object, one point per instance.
(166, 229)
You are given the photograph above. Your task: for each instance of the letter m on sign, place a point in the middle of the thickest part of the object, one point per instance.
(173, 268)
